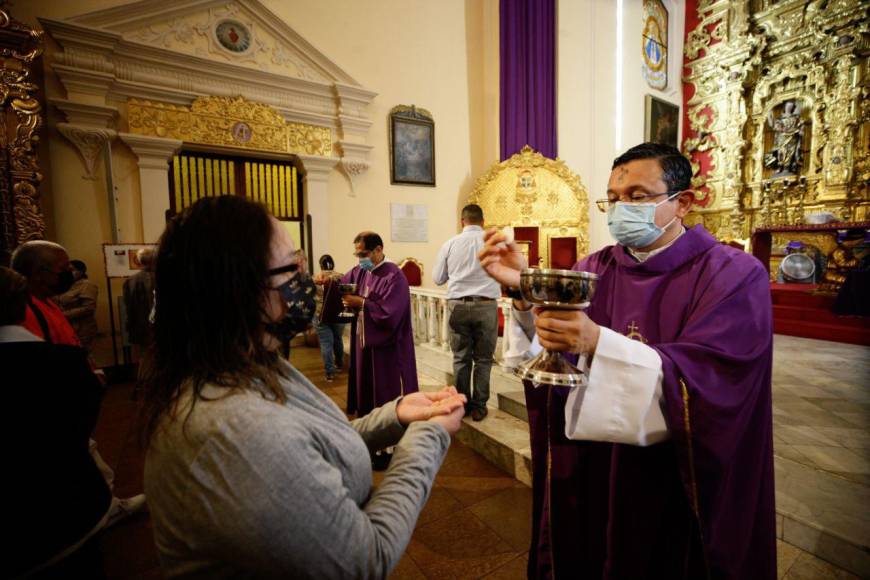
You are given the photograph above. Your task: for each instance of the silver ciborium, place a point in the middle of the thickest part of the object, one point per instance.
(347, 289)
(559, 290)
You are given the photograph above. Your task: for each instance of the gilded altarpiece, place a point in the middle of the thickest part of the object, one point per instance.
(228, 122)
(778, 112)
(530, 190)
(20, 119)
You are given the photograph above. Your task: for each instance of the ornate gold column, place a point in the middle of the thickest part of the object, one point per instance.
(20, 215)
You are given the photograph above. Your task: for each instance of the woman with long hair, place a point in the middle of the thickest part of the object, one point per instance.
(251, 471)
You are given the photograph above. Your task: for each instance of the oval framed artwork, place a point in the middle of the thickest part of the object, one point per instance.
(233, 36)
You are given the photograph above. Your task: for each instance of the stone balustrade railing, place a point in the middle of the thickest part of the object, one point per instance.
(430, 319)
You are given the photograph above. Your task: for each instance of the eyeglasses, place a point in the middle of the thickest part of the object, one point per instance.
(605, 204)
(282, 269)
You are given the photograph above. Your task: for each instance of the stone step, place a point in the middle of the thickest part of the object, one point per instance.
(514, 403)
(501, 438)
(817, 511)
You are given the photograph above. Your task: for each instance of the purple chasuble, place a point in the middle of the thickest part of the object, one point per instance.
(700, 505)
(382, 364)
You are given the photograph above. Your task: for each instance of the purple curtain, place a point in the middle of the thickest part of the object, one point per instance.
(528, 76)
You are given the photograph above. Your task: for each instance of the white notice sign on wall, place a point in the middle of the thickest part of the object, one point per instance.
(410, 223)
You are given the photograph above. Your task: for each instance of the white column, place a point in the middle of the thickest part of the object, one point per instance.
(316, 172)
(432, 303)
(505, 307)
(445, 321)
(154, 154)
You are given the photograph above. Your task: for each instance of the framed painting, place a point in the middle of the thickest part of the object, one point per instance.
(654, 42)
(662, 122)
(412, 146)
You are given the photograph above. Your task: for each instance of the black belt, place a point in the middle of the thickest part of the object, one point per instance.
(474, 299)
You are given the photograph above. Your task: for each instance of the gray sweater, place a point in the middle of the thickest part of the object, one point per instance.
(251, 488)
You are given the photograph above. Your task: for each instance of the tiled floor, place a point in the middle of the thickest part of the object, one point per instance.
(821, 406)
(475, 525)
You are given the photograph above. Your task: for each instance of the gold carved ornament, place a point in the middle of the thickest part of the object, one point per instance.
(19, 168)
(750, 66)
(530, 190)
(229, 122)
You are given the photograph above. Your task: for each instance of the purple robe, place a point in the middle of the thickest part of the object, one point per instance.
(382, 364)
(700, 505)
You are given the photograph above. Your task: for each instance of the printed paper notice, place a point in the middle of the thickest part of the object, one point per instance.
(410, 223)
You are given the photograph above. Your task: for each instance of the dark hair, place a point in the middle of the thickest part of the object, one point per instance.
(370, 240)
(80, 266)
(13, 297)
(676, 169)
(326, 262)
(211, 277)
(472, 213)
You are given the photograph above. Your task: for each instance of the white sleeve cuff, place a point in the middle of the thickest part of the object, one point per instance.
(522, 339)
(622, 401)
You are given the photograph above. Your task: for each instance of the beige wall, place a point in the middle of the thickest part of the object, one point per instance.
(589, 103)
(436, 55)
(442, 56)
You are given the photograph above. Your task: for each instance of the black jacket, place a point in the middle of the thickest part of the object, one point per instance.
(55, 492)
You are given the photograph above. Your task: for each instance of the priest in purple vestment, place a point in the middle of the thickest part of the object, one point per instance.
(382, 364)
(661, 466)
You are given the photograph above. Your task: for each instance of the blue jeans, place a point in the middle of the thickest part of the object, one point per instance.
(331, 346)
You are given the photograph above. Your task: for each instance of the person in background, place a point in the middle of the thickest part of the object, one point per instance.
(382, 363)
(139, 299)
(330, 327)
(45, 265)
(472, 307)
(79, 305)
(251, 470)
(54, 400)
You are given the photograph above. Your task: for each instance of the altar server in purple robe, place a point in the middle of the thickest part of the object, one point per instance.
(661, 466)
(382, 365)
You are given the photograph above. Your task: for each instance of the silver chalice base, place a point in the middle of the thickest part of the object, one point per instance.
(555, 289)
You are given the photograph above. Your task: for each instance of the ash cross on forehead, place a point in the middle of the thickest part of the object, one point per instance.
(622, 173)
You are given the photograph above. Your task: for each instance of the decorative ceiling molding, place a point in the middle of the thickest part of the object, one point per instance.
(145, 51)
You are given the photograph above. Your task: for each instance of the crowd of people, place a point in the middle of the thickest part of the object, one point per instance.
(659, 466)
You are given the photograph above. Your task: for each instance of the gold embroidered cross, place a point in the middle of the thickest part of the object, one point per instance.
(633, 334)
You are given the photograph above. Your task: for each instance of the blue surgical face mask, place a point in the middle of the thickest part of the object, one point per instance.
(366, 264)
(634, 224)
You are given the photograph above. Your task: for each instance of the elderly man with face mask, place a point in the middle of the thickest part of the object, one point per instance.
(661, 465)
(47, 269)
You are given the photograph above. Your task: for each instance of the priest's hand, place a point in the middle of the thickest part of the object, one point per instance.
(352, 301)
(567, 330)
(425, 406)
(501, 259)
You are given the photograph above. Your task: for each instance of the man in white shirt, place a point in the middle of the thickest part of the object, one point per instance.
(471, 302)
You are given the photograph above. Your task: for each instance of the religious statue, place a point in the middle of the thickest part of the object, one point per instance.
(842, 260)
(785, 156)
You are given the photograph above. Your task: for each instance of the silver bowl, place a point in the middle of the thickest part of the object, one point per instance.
(556, 289)
(565, 289)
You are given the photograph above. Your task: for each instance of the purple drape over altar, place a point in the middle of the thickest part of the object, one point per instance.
(528, 76)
